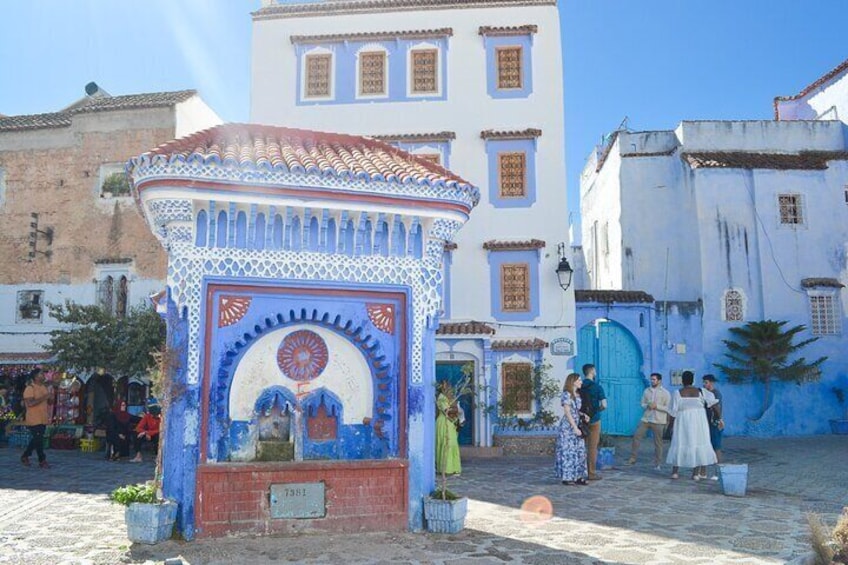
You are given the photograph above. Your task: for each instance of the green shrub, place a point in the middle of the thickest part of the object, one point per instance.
(440, 494)
(126, 495)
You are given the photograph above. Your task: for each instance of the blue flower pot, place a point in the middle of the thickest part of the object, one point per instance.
(445, 516)
(606, 458)
(150, 523)
(734, 479)
(839, 427)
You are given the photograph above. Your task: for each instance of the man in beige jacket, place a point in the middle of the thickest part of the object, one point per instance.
(655, 402)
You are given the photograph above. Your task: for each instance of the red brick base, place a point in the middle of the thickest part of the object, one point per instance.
(360, 496)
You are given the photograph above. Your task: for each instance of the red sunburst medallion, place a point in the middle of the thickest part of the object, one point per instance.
(231, 309)
(382, 316)
(302, 355)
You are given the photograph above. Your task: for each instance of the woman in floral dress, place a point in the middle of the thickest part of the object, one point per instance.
(570, 462)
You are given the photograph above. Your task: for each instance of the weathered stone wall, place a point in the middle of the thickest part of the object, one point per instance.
(56, 174)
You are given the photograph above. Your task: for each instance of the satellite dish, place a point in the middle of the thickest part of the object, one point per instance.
(91, 88)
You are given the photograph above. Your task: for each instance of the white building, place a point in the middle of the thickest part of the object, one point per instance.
(748, 217)
(474, 85)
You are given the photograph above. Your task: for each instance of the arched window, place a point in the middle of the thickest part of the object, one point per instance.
(202, 226)
(105, 293)
(734, 306)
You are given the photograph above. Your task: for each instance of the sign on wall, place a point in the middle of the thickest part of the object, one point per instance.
(298, 500)
(562, 346)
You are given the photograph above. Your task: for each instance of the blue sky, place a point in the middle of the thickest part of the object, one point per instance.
(655, 62)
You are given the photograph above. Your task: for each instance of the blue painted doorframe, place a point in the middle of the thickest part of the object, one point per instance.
(618, 360)
(451, 371)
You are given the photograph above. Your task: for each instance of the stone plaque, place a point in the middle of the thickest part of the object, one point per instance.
(298, 500)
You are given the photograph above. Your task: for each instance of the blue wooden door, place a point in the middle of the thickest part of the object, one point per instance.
(618, 359)
(452, 372)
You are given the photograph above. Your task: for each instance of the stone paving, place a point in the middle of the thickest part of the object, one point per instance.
(634, 515)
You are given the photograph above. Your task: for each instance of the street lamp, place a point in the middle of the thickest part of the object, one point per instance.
(564, 271)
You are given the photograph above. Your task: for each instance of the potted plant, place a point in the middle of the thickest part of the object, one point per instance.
(444, 511)
(840, 426)
(606, 452)
(149, 516)
(149, 519)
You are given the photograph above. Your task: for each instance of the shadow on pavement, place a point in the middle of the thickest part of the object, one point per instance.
(70, 471)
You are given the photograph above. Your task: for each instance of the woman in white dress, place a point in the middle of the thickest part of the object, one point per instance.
(690, 441)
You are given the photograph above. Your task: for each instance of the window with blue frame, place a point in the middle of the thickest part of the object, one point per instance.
(512, 167)
(509, 63)
(514, 279)
(400, 66)
(434, 147)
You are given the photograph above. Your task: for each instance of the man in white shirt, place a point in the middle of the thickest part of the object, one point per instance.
(655, 401)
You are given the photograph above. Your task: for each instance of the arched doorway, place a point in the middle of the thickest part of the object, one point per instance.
(618, 359)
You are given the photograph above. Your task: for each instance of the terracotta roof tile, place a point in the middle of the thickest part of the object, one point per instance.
(827, 77)
(94, 104)
(610, 296)
(306, 9)
(25, 358)
(529, 133)
(374, 36)
(821, 281)
(807, 160)
(441, 136)
(534, 344)
(464, 328)
(508, 30)
(306, 152)
(496, 245)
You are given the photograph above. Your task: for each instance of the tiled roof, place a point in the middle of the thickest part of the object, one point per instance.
(508, 30)
(132, 101)
(496, 245)
(94, 104)
(305, 9)
(305, 152)
(650, 153)
(534, 344)
(610, 296)
(827, 77)
(35, 121)
(821, 281)
(417, 137)
(779, 161)
(529, 133)
(373, 36)
(464, 328)
(25, 358)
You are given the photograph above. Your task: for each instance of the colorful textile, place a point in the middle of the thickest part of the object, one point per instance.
(570, 462)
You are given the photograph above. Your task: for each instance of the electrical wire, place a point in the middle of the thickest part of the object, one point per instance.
(762, 225)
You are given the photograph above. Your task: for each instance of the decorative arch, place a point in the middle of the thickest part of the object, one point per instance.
(368, 347)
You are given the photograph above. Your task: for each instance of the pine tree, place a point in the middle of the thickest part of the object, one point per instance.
(760, 352)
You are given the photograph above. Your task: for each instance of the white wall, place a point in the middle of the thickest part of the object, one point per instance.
(467, 111)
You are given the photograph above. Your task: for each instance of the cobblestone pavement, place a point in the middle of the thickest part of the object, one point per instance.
(634, 515)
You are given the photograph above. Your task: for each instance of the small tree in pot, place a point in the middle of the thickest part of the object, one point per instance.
(150, 517)
(443, 510)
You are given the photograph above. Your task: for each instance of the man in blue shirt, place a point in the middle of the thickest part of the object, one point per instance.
(593, 401)
(714, 417)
